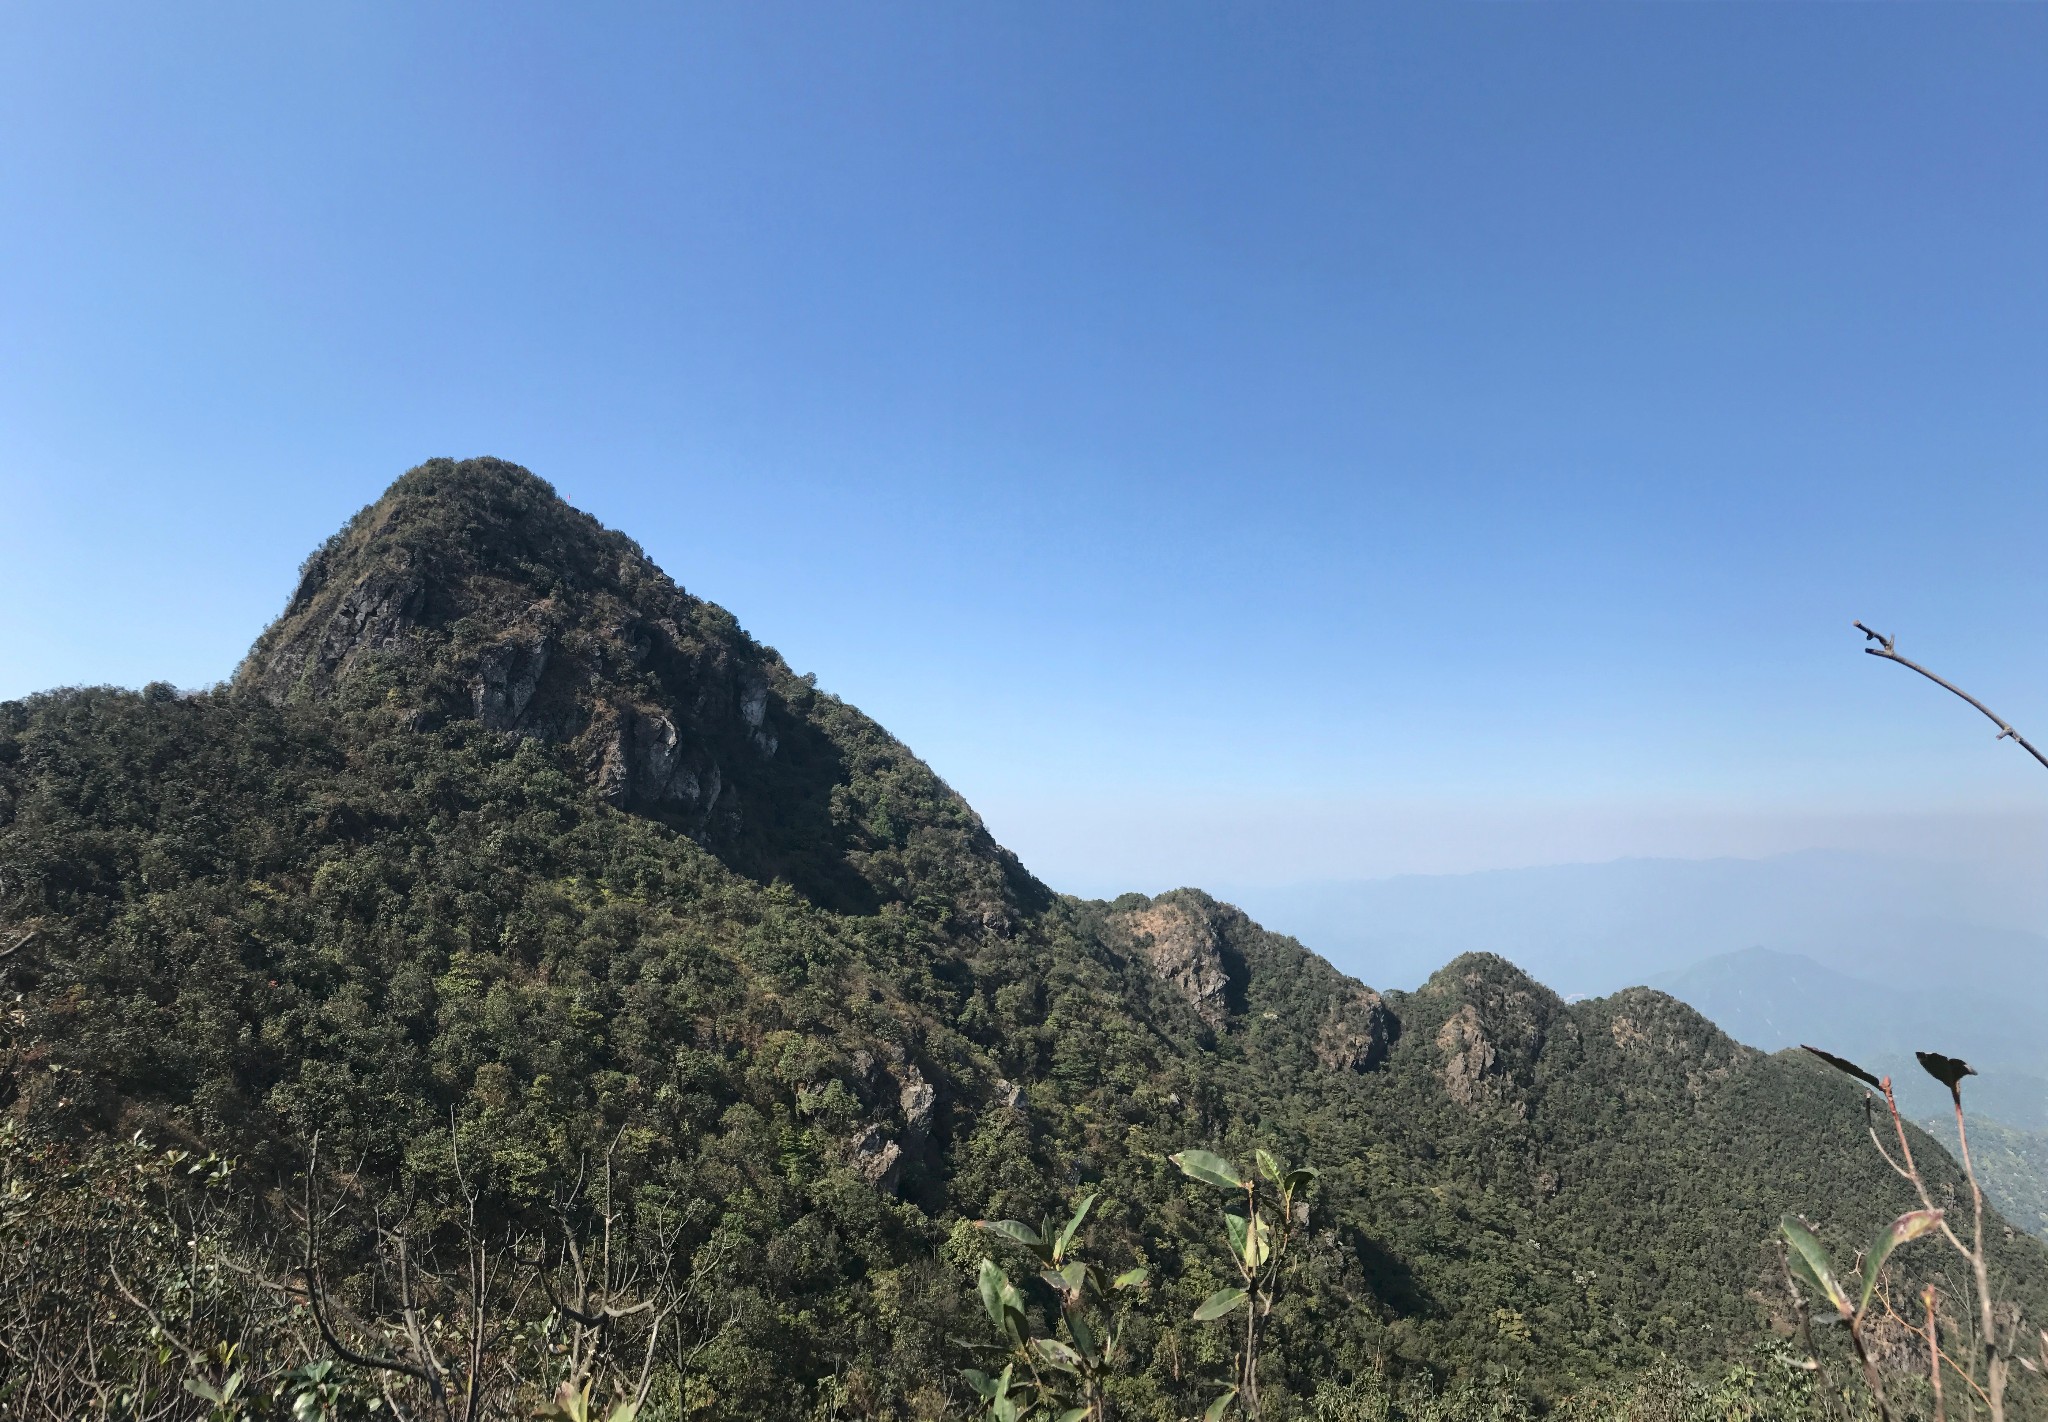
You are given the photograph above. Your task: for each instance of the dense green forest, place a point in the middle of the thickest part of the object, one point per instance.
(555, 907)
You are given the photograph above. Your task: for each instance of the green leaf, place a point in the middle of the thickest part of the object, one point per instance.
(204, 1391)
(1072, 1414)
(1219, 1406)
(1299, 1180)
(1803, 1272)
(1843, 1064)
(984, 1386)
(1084, 1338)
(1068, 1280)
(1260, 1245)
(1237, 1227)
(1023, 1233)
(1132, 1278)
(1219, 1303)
(1268, 1166)
(1252, 1247)
(1059, 1248)
(995, 1287)
(1000, 1406)
(1209, 1169)
(1905, 1228)
(1811, 1263)
(1057, 1354)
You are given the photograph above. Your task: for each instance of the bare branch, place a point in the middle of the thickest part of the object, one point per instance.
(316, 1302)
(1870, 1124)
(192, 1355)
(1885, 649)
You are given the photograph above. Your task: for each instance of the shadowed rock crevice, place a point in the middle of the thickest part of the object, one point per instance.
(1356, 1031)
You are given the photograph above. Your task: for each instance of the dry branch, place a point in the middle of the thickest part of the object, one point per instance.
(1887, 649)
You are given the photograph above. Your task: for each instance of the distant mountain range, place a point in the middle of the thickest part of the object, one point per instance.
(1593, 928)
(1869, 952)
(1868, 956)
(1774, 1000)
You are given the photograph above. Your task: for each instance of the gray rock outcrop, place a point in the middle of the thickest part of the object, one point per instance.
(1355, 1032)
(1181, 943)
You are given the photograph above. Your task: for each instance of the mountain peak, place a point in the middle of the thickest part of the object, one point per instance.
(1491, 976)
(472, 593)
(478, 542)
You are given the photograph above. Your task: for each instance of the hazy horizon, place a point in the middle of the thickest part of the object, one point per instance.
(1590, 928)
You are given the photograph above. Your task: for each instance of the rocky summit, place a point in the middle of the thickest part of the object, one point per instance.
(470, 591)
(521, 880)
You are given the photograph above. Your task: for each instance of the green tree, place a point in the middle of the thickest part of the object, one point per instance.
(1062, 1377)
(1275, 1208)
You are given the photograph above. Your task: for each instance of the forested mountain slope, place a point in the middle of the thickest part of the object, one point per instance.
(499, 835)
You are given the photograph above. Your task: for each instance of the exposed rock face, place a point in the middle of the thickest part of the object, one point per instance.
(1181, 943)
(917, 1098)
(1469, 1056)
(1502, 1035)
(878, 1159)
(507, 676)
(1355, 1032)
(1495, 1026)
(643, 762)
(1629, 1036)
(339, 625)
(1235, 974)
(876, 1151)
(470, 591)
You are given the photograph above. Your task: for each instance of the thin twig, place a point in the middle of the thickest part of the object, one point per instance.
(1933, 1354)
(1885, 649)
(1973, 1254)
(1994, 1363)
(309, 1270)
(192, 1355)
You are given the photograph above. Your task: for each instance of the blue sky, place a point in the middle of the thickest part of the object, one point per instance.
(1231, 442)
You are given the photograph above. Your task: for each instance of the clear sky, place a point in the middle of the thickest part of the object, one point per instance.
(1231, 442)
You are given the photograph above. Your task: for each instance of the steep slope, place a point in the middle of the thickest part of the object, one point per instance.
(393, 887)
(471, 592)
(1774, 1000)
